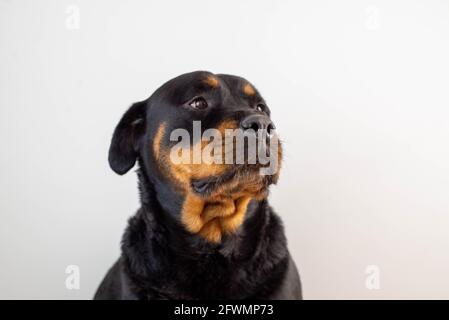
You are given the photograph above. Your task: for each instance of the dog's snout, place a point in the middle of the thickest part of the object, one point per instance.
(257, 122)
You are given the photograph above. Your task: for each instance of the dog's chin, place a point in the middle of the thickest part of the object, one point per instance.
(234, 180)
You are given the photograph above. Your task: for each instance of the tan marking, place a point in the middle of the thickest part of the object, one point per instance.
(227, 124)
(211, 81)
(222, 212)
(157, 140)
(184, 173)
(230, 224)
(212, 231)
(249, 90)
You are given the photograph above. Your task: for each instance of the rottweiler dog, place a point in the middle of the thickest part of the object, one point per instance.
(204, 230)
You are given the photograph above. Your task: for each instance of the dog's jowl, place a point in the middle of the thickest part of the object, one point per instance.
(207, 152)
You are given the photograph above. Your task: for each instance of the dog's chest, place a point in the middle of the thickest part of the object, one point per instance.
(210, 278)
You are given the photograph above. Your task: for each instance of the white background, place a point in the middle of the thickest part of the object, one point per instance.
(359, 91)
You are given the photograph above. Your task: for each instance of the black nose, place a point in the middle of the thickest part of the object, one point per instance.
(257, 122)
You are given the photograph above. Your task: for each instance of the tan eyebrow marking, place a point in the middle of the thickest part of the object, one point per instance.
(211, 81)
(249, 90)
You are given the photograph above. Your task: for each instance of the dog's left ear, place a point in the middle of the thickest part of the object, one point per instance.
(127, 137)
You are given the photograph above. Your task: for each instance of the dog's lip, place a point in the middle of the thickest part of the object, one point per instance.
(207, 185)
(201, 185)
(204, 186)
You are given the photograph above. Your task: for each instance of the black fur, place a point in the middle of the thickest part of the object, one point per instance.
(160, 259)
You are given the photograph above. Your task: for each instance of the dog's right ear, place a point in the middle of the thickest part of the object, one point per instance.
(125, 144)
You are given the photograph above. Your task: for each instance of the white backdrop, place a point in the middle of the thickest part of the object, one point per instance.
(358, 91)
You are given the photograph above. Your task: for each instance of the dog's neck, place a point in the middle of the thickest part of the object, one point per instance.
(155, 241)
(164, 205)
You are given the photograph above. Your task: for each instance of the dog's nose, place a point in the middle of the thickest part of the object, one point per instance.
(257, 122)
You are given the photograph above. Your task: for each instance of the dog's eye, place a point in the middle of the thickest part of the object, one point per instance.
(261, 107)
(198, 103)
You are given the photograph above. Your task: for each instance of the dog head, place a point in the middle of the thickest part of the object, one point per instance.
(204, 136)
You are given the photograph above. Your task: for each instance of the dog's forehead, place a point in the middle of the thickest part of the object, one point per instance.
(201, 81)
(239, 85)
(233, 81)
